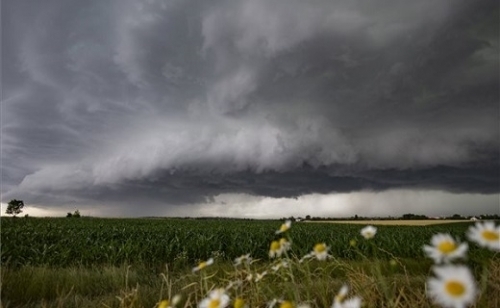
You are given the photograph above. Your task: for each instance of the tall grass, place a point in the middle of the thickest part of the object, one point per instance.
(315, 283)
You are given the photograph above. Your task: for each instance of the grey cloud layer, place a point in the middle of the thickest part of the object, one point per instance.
(178, 101)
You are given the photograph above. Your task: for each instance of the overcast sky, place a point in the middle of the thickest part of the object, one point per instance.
(261, 108)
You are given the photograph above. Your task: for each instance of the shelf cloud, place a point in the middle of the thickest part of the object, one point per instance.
(174, 103)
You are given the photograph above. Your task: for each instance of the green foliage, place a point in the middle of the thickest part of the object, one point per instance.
(154, 242)
(76, 214)
(76, 286)
(14, 207)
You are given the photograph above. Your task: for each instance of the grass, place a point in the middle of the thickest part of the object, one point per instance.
(315, 283)
(381, 270)
(31, 286)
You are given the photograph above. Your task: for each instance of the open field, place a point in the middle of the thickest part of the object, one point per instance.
(125, 263)
(153, 242)
(427, 222)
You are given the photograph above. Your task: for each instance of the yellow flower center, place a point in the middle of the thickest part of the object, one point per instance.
(447, 247)
(214, 303)
(319, 248)
(164, 304)
(339, 298)
(283, 241)
(368, 234)
(239, 303)
(283, 228)
(286, 304)
(202, 265)
(352, 243)
(455, 288)
(275, 246)
(490, 235)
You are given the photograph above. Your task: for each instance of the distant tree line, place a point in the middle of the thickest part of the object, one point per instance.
(408, 216)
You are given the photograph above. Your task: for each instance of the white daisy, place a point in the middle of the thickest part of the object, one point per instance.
(320, 251)
(307, 256)
(340, 300)
(216, 299)
(354, 302)
(242, 259)
(486, 235)
(272, 303)
(444, 248)
(453, 286)
(286, 304)
(285, 244)
(275, 249)
(279, 265)
(342, 294)
(285, 227)
(368, 232)
(259, 276)
(235, 283)
(170, 304)
(203, 264)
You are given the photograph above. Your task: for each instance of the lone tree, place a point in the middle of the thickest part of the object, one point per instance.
(14, 207)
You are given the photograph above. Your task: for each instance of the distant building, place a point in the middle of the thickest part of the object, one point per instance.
(473, 218)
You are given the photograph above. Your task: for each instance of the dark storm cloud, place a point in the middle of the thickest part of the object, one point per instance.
(179, 101)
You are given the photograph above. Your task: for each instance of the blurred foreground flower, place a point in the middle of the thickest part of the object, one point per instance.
(320, 251)
(285, 244)
(444, 248)
(453, 286)
(341, 302)
(216, 299)
(243, 259)
(286, 304)
(170, 304)
(234, 284)
(239, 303)
(203, 264)
(486, 235)
(277, 248)
(279, 265)
(368, 232)
(259, 276)
(285, 227)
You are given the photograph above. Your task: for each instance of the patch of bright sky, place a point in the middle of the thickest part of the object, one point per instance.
(369, 204)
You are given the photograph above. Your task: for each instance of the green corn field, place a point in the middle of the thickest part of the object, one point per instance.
(61, 242)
